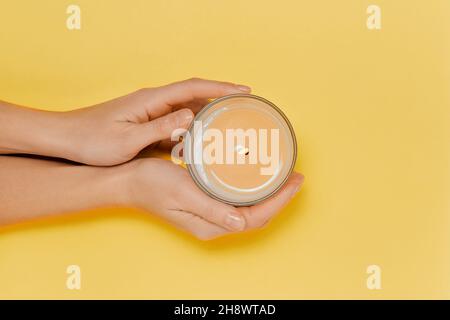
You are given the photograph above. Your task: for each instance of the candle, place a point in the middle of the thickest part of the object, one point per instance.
(240, 149)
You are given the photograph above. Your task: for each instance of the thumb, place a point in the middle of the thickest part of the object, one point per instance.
(161, 128)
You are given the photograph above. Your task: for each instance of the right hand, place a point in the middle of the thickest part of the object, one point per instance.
(163, 188)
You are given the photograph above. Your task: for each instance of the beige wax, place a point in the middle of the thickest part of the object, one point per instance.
(246, 175)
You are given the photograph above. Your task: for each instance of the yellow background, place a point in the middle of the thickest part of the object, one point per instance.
(371, 110)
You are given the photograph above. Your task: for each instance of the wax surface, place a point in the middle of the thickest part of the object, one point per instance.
(245, 176)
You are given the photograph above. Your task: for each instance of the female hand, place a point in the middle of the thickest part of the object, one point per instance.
(158, 186)
(113, 132)
(167, 190)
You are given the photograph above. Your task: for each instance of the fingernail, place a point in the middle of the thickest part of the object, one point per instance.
(243, 88)
(235, 222)
(188, 116)
(295, 190)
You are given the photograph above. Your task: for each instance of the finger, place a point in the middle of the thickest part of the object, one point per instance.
(167, 145)
(195, 88)
(193, 94)
(196, 201)
(162, 127)
(196, 105)
(154, 111)
(194, 224)
(258, 215)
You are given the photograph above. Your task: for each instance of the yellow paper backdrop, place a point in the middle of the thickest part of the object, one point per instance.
(371, 109)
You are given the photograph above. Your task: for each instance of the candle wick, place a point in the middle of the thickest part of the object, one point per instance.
(242, 150)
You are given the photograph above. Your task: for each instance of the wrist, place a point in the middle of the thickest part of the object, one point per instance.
(131, 182)
(31, 131)
(117, 184)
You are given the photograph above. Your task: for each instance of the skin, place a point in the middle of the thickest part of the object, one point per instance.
(104, 140)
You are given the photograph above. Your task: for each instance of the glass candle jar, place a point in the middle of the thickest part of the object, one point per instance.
(240, 149)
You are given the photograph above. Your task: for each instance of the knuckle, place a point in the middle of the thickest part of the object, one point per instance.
(176, 120)
(144, 91)
(210, 213)
(162, 124)
(155, 126)
(194, 80)
(185, 113)
(225, 84)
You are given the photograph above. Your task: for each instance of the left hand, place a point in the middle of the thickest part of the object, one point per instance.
(116, 131)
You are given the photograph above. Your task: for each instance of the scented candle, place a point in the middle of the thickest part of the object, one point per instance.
(240, 149)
